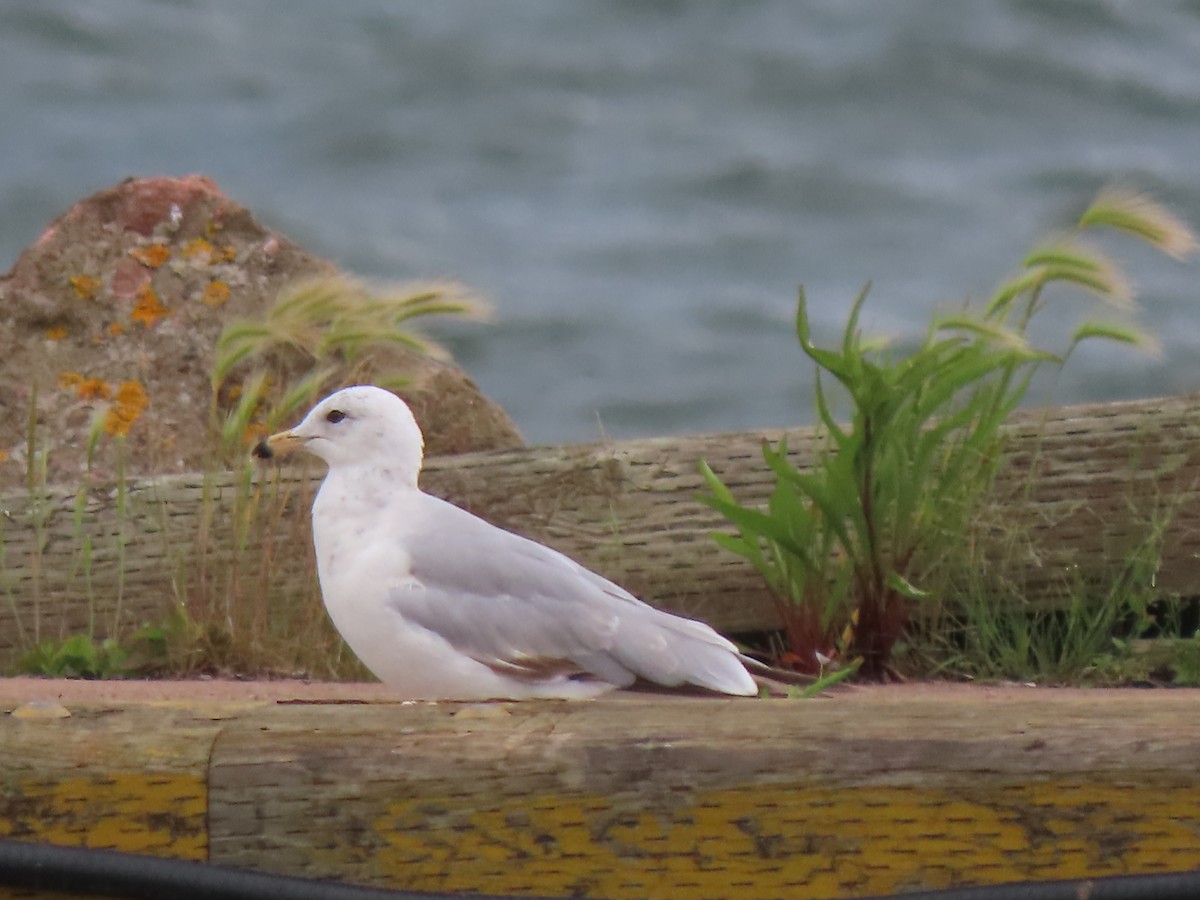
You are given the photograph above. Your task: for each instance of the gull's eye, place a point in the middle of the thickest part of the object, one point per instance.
(334, 416)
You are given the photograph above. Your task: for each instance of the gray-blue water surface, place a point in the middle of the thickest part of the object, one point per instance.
(639, 187)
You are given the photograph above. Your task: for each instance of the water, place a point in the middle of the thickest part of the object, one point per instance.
(639, 187)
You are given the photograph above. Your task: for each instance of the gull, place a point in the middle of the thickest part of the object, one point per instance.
(442, 605)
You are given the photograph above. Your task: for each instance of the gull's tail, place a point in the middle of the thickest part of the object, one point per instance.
(674, 651)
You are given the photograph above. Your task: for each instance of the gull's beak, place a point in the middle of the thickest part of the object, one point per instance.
(279, 444)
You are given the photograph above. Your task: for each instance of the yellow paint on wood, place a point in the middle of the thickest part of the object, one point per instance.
(164, 814)
(788, 841)
(628, 798)
(131, 777)
(874, 793)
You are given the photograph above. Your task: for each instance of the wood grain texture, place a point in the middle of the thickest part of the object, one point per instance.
(1086, 480)
(116, 777)
(711, 798)
(872, 791)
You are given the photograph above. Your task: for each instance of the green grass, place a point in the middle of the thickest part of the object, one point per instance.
(988, 626)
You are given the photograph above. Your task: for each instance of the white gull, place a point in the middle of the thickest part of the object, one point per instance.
(440, 604)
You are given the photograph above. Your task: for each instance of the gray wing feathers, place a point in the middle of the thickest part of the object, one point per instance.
(503, 599)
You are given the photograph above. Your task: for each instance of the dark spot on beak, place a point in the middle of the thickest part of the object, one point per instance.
(262, 450)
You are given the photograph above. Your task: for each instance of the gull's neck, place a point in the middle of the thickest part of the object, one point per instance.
(369, 483)
(350, 503)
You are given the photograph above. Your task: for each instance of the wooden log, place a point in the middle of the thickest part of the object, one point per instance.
(874, 791)
(110, 779)
(710, 798)
(1085, 481)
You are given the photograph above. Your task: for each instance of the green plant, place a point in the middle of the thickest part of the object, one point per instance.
(848, 543)
(826, 678)
(1186, 662)
(1077, 630)
(173, 645)
(78, 656)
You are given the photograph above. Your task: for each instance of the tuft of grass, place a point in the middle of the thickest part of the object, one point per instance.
(851, 545)
(1143, 217)
(989, 627)
(338, 317)
(316, 331)
(242, 608)
(36, 466)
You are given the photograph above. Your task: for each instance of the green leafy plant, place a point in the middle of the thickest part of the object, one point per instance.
(173, 645)
(847, 543)
(78, 656)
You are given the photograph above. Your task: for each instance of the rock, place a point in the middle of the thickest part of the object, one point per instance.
(41, 709)
(108, 324)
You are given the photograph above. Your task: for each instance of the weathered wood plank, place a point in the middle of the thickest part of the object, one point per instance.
(874, 791)
(123, 778)
(1086, 480)
(711, 798)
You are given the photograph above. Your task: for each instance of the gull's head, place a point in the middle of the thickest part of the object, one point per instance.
(356, 426)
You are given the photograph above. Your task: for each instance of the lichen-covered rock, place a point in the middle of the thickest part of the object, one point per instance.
(108, 324)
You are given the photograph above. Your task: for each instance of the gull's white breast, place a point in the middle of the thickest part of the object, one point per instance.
(361, 561)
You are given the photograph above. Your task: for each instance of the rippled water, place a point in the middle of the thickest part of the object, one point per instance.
(639, 187)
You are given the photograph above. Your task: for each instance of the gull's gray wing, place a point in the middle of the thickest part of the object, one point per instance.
(527, 610)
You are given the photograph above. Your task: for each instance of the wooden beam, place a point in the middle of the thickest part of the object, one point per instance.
(873, 791)
(109, 778)
(1086, 481)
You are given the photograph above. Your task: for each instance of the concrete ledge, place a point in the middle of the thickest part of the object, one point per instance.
(875, 790)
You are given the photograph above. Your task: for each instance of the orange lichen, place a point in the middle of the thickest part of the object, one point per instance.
(84, 286)
(216, 293)
(133, 394)
(151, 256)
(3, 455)
(228, 253)
(68, 381)
(126, 409)
(148, 309)
(93, 389)
(57, 333)
(114, 329)
(197, 248)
